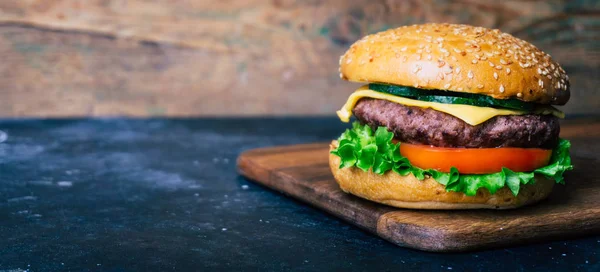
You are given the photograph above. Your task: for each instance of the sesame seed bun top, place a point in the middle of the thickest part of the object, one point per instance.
(459, 58)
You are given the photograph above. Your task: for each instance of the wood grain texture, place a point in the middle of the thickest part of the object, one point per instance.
(301, 171)
(280, 57)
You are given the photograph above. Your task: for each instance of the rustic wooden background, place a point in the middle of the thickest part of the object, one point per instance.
(243, 57)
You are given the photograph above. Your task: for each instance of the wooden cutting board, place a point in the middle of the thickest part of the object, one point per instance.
(302, 171)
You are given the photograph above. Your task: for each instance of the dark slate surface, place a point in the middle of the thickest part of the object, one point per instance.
(124, 195)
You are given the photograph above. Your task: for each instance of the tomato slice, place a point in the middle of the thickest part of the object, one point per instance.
(475, 160)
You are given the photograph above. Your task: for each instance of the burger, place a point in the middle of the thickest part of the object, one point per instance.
(451, 117)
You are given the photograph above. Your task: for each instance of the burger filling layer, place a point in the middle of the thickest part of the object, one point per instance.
(430, 127)
(472, 110)
(496, 148)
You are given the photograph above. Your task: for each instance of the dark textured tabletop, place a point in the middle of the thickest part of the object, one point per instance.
(138, 195)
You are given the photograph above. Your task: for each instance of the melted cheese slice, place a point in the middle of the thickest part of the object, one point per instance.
(472, 115)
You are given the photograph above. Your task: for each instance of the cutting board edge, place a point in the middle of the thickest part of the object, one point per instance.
(454, 241)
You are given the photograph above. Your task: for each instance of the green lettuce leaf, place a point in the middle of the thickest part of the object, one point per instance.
(365, 149)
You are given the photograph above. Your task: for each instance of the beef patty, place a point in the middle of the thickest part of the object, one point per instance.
(427, 126)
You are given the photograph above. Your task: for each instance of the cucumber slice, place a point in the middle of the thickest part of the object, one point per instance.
(448, 97)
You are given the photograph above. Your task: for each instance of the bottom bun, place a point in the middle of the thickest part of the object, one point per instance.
(407, 191)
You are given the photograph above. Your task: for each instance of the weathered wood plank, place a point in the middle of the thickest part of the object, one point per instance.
(182, 58)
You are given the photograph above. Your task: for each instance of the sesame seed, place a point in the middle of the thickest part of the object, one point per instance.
(428, 57)
(508, 71)
(419, 57)
(404, 58)
(441, 63)
(416, 69)
(447, 86)
(470, 74)
(459, 89)
(549, 76)
(474, 61)
(501, 88)
(457, 70)
(446, 53)
(403, 49)
(541, 83)
(503, 62)
(456, 50)
(498, 67)
(341, 76)
(492, 64)
(519, 94)
(480, 86)
(495, 75)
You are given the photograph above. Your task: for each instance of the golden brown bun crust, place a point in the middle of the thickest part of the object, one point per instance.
(459, 58)
(409, 192)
